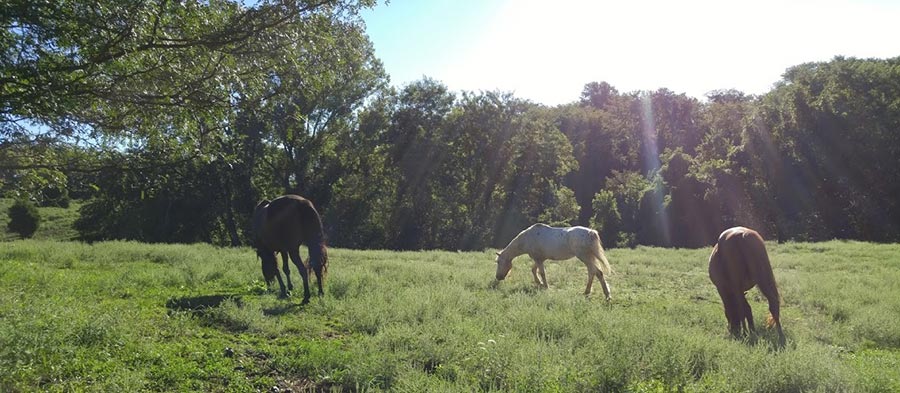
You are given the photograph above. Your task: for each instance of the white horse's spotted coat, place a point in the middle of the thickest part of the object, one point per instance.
(542, 242)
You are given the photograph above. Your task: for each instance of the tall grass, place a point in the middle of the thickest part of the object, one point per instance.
(126, 316)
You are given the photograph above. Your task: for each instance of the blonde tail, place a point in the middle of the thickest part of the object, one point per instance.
(597, 250)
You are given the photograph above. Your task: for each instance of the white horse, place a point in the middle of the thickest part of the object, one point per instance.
(542, 242)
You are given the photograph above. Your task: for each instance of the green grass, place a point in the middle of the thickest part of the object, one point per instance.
(124, 316)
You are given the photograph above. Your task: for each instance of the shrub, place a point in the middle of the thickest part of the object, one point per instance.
(24, 218)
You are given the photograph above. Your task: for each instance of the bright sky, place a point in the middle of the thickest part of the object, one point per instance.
(546, 51)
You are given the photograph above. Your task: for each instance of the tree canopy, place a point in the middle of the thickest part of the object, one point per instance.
(171, 119)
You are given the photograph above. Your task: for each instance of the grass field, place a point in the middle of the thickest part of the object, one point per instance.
(122, 316)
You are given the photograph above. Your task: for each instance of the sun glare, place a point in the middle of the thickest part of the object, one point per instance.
(548, 52)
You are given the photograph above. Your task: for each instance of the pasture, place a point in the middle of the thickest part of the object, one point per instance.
(126, 316)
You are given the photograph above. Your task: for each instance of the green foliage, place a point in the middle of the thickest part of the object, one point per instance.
(827, 148)
(173, 120)
(138, 317)
(174, 202)
(563, 211)
(24, 218)
(607, 219)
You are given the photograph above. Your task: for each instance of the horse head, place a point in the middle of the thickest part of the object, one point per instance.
(504, 264)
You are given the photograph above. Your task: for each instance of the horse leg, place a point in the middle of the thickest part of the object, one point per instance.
(603, 284)
(732, 311)
(280, 283)
(590, 282)
(287, 271)
(747, 314)
(534, 273)
(319, 279)
(543, 274)
(304, 274)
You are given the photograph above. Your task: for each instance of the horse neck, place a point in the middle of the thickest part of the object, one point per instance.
(513, 249)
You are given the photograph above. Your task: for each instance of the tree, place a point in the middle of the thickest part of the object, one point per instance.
(107, 64)
(415, 152)
(826, 138)
(598, 95)
(601, 132)
(24, 218)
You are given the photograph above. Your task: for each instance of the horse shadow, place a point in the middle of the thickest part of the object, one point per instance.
(282, 309)
(768, 339)
(201, 304)
(205, 306)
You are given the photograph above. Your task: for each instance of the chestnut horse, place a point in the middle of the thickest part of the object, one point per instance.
(542, 242)
(281, 226)
(738, 262)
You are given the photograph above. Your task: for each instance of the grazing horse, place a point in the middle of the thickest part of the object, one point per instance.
(738, 262)
(281, 226)
(542, 242)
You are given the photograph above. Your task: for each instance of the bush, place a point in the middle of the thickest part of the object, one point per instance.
(24, 218)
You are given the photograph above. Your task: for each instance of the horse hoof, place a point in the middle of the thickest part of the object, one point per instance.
(305, 301)
(283, 295)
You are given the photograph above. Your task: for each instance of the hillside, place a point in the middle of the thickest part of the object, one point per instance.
(56, 222)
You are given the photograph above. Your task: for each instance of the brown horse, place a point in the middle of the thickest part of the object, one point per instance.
(738, 262)
(281, 226)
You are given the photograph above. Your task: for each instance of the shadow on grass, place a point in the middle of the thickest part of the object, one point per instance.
(201, 303)
(282, 309)
(762, 337)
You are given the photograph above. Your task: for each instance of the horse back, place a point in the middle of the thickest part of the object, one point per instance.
(291, 220)
(544, 241)
(739, 259)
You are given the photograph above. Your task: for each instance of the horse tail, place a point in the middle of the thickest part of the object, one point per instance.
(597, 251)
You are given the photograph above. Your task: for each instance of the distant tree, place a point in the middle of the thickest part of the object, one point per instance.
(363, 194)
(24, 218)
(607, 219)
(602, 139)
(598, 95)
(562, 210)
(415, 151)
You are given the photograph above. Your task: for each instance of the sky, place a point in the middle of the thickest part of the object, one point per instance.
(546, 51)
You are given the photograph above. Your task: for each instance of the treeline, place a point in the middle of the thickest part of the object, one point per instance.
(178, 143)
